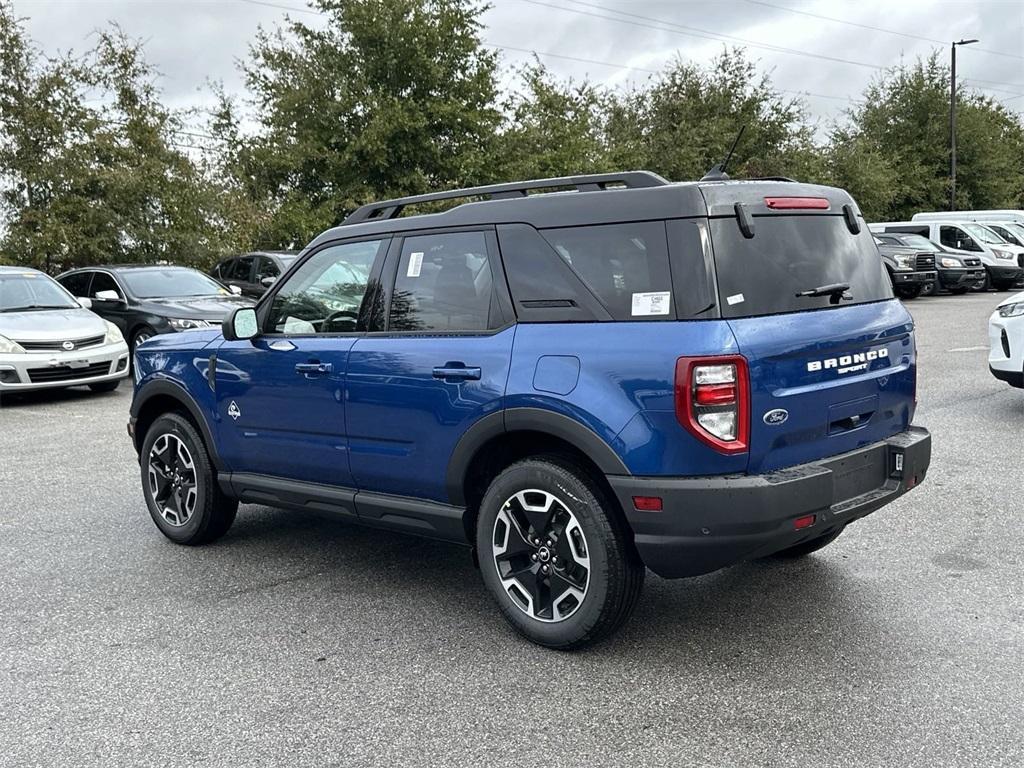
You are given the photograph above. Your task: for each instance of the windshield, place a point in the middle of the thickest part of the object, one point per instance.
(158, 283)
(917, 241)
(791, 255)
(1017, 229)
(984, 234)
(32, 290)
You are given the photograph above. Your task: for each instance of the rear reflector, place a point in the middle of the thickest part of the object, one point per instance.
(803, 522)
(715, 394)
(796, 203)
(647, 503)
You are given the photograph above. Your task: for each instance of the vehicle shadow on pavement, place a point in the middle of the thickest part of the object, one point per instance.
(34, 398)
(814, 605)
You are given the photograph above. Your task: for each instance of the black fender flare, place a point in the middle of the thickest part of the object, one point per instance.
(165, 387)
(521, 420)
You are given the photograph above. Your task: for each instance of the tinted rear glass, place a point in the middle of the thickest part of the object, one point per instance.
(624, 265)
(789, 254)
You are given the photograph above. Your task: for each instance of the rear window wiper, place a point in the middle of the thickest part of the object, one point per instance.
(834, 291)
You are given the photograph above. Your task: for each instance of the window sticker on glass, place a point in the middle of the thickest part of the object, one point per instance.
(415, 264)
(651, 303)
(736, 298)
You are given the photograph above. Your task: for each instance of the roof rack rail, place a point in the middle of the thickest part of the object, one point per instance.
(775, 178)
(391, 209)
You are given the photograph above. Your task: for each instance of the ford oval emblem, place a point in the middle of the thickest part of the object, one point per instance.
(776, 417)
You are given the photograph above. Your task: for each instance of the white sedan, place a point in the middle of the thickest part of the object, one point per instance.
(50, 339)
(1006, 336)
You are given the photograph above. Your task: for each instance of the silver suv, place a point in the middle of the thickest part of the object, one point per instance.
(50, 339)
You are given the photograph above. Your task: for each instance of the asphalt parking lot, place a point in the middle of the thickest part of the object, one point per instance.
(300, 640)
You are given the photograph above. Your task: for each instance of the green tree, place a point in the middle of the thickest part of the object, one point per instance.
(895, 150)
(90, 167)
(551, 128)
(389, 97)
(684, 121)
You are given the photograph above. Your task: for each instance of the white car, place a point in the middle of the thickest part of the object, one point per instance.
(49, 339)
(1006, 335)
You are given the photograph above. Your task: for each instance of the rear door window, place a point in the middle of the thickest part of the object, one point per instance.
(77, 284)
(626, 266)
(788, 255)
(444, 283)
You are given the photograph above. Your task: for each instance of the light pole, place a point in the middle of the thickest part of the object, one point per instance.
(952, 121)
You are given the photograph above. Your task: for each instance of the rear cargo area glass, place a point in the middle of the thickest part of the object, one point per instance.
(762, 275)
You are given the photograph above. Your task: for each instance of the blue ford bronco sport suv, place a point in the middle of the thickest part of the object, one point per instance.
(620, 373)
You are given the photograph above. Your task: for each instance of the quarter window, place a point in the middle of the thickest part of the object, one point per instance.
(326, 293)
(625, 265)
(444, 283)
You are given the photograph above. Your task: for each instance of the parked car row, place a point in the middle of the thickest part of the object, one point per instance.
(971, 249)
(83, 327)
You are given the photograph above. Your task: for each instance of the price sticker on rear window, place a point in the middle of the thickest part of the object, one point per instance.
(652, 303)
(415, 264)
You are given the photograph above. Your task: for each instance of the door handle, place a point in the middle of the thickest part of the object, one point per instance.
(310, 370)
(456, 372)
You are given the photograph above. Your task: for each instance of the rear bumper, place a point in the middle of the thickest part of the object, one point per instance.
(708, 523)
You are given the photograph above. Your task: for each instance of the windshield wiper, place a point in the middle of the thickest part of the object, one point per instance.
(834, 291)
(31, 307)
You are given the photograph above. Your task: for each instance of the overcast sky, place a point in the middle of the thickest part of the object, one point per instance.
(192, 41)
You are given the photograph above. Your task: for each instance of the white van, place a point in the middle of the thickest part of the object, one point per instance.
(1006, 215)
(1004, 263)
(1010, 231)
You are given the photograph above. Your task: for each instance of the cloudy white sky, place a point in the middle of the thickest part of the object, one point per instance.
(613, 42)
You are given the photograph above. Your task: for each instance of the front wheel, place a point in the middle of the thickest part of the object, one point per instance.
(555, 555)
(180, 486)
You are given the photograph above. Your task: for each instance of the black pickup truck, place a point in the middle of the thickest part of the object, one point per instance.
(956, 273)
(911, 270)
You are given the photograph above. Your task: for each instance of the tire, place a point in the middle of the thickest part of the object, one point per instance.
(983, 285)
(105, 386)
(140, 335)
(591, 560)
(182, 517)
(908, 292)
(807, 547)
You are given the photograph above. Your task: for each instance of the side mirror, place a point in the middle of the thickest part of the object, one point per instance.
(266, 282)
(107, 296)
(240, 325)
(86, 303)
(235, 290)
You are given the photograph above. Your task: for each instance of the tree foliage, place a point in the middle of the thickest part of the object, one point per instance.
(90, 170)
(385, 98)
(390, 97)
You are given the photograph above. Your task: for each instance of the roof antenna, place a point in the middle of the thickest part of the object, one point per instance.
(717, 172)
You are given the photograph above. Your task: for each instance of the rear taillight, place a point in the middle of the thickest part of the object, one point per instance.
(713, 400)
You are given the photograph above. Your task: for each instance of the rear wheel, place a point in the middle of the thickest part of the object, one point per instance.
(180, 486)
(807, 547)
(105, 386)
(555, 555)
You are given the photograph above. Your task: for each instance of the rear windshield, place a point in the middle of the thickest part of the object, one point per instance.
(792, 254)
